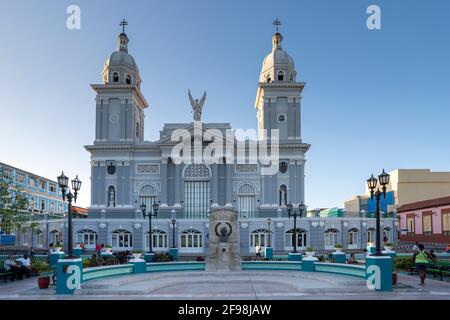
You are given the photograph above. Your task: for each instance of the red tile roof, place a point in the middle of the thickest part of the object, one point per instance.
(79, 210)
(437, 202)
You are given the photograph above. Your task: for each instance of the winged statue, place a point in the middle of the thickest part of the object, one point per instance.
(197, 105)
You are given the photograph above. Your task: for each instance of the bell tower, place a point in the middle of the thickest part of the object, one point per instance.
(278, 97)
(120, 103)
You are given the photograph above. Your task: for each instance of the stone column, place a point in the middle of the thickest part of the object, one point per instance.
(164, 181)
(177, 185)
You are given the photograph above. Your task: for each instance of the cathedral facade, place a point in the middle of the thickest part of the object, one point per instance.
(256, 178)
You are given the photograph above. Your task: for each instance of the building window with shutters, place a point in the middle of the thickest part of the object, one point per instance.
(446, 224)
(246, 201)
(410, 226)
(427, 225)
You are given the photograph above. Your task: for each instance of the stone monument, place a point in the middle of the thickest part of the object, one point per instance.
(223, 249)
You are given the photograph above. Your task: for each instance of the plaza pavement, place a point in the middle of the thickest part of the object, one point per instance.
(251, 285)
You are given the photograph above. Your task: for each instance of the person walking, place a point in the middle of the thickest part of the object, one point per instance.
(98, 248)
(420, 259)
(258, 251)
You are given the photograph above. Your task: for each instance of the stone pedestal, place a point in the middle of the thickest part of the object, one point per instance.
(54, 257)
(268, 253)
(223, 250)
(308, 264)
(149, 257)
(295, 256)
(69, 274)
(173, 253)
(138, 265)
(339, 257)
(379, 273)
(77, 252)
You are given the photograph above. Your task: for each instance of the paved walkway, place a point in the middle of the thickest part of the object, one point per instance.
(252, 285)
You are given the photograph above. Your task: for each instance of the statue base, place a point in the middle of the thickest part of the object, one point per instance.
(223, 250)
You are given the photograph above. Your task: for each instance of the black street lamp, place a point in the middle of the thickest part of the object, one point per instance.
(301, 210)
(372, 182)
(152, 213)
(269, 221)
(63, 183)
(173, 232)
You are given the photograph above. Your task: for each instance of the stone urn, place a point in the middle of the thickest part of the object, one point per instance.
(58, 249)
(137, 256)
(309, 253)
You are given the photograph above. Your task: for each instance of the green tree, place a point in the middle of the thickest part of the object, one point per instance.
(13, 203)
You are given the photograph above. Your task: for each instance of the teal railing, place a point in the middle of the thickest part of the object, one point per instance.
(106, 271)
(174, 266)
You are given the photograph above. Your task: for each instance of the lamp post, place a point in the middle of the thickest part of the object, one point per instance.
(269, 221)
(67, 194)
(173, 232)
(372, 182)
(301, 209)
(152, 213)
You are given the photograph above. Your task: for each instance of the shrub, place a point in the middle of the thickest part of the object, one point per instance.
(389, 244)
(339, 246)
(310, 249)
(163, 257)
(403, 263)
(199, 258)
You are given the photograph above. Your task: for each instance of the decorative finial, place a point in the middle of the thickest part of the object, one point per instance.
(123, 23)
(277, 23)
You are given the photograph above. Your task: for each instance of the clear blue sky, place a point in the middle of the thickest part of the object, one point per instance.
(373, 99)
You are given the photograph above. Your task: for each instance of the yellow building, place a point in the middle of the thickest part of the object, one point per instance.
(412, 185)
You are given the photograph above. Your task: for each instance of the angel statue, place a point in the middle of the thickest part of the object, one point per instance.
(197, 106)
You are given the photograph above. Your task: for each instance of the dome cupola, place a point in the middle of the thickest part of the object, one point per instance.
(120, 67)
(278, 66)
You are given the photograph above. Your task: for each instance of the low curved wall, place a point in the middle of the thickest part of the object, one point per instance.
(338, 268)
(272, 265)
(106, 271)
(341, 268)
(174, 266)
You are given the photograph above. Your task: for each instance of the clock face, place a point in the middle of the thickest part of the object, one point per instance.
(114, 118)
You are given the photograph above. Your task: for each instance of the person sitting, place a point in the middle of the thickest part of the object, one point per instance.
(51, 249)
(352, 259)
(11, 266)
(25, 264)
(82, 245)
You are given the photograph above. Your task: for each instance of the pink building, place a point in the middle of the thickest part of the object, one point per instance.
(425, 221)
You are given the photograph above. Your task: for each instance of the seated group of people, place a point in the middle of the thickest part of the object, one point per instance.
(18, 267)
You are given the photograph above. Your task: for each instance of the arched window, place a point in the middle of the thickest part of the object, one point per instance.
(246, 201)
(128, 79)
(268, 78)
(371, 235)
(292, 77)
(31, 203)
(283, 166)
(111, 196)
(280, 75)
(302, 239)
(353, 238)
(331, 238)
(121, 239)
(191, 240)
(159, 240)
(260, 237)
(283, 195)
(196, 190)
(138, 131)
(147, 196)
(39, 239)
(52, 207)
(87, 237)
(55, 237)
(42, 205)
(115, 77)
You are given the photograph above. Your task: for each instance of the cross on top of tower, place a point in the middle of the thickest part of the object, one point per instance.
(123, 23)
(277, 23)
